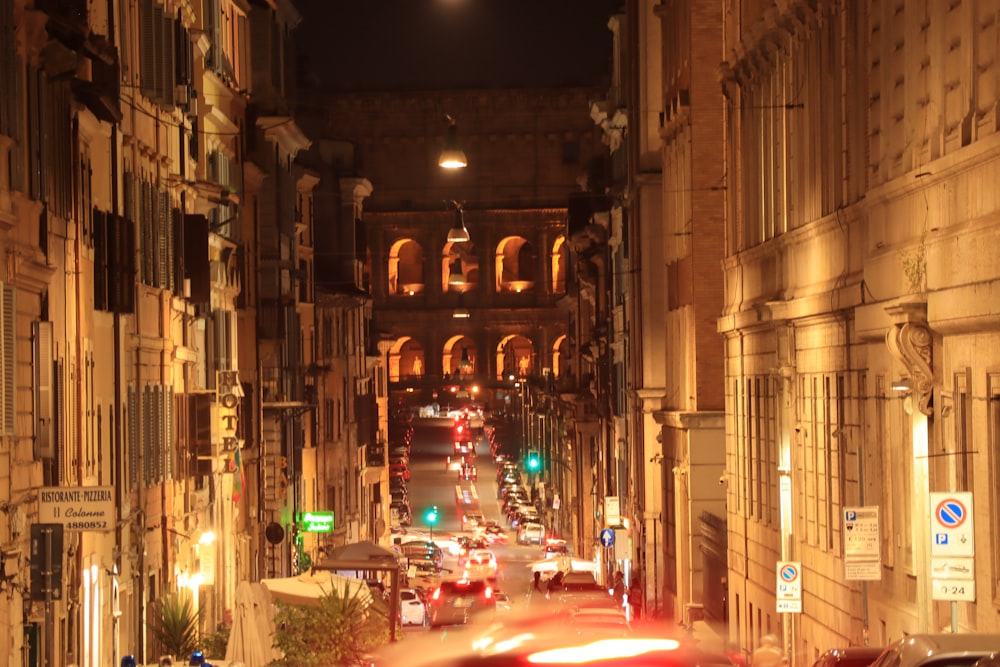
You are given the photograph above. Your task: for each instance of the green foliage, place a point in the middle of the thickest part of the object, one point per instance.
(174, 623)
(340, 631)
(214, 645)
(915, 266)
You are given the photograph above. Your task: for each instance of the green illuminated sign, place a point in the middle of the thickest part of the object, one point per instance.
(316, 522)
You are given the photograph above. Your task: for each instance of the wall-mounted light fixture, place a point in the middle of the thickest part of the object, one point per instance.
(452, 156)
(458, 233)
(902, 384)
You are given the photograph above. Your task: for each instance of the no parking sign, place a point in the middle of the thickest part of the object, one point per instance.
(788, 590)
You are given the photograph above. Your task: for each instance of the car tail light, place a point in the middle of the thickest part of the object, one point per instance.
(437, 594)
(488, 592)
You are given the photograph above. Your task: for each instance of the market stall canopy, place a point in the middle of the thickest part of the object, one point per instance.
(564, 564)
(307, 588)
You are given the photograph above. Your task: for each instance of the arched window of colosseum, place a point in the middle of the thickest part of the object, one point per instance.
(558, 355)
(458, 357)
(406, 267)
(515, 357)
(406, 359)
(560, 262)
(515, 265)
(459, 268)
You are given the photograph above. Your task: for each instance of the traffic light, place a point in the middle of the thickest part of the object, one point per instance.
(431, 517)
(533, 463)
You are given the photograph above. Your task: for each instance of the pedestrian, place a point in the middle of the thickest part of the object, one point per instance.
(538, 581)
(768, 654)
(619, 589)
(555, 584)
(635, 599)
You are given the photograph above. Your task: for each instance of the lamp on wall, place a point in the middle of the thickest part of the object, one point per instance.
(452, 156)
(458, 233)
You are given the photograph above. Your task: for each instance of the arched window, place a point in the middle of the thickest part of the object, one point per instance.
(515, 265)
(560, 264)
(406, 267)
(459, 268)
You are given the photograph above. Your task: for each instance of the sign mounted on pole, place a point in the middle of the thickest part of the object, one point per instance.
(862, 544)
(788, 590)
(952, 532)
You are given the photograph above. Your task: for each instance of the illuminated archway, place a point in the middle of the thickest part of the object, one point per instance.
(459, 268)
(406, 267)
(515, 265)
(558, 350)
(560, 263)
(406, 359)
(458, 357)
(515, 357)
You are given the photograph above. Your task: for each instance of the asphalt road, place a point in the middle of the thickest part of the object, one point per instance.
(432, 484)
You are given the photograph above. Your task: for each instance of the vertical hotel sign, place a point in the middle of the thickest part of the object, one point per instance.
(228, 393)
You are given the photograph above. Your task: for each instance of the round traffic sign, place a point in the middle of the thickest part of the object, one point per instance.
(607, 538)
(789, 573)
(951, 513)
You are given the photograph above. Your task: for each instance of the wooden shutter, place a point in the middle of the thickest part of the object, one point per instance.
(147, 44)
(135, 438)
(200, 435)
(8, 382)
(44, 405)
(101, 267)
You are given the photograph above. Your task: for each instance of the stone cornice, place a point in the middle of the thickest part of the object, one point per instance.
(285, 133)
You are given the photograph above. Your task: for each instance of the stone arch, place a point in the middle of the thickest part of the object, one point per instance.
(559, 260)
(459, 268)
(515, 357)
(406, 267)
(559, 352)
(406, 359)
(515, 265)
(455, 353)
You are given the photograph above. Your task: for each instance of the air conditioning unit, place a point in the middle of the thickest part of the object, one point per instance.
(693, 611)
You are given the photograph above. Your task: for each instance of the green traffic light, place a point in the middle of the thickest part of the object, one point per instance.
(533, 462)
(431, 516)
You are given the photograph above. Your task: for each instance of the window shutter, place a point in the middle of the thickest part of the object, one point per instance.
(101, 268)
(167, 60)
(8, 385)
(63, 457)
(44, 406)
(200, 438)
(135, 439)
(147, 56)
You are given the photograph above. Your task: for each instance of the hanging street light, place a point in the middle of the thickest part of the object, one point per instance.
(452, 156)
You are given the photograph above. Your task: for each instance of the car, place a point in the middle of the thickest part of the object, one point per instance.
(531, 532)
(480, 563)
(599, 622)
(399, 471)
(473, 520)
(853, 656)
(554, 548)
(503, 602)
(412, 607)
(938, 650)
(459, 601)
(467, 472)
(467, 544)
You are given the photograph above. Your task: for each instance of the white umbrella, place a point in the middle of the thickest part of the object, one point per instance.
(307, 588)
(246, 642)
(265, 620)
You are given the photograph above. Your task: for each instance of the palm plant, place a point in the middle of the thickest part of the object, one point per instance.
(174, 623)
(340, 631)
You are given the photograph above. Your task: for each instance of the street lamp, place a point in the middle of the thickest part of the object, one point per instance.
(452, 156)
(458, 233)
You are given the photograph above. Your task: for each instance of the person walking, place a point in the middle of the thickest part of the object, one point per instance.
(635, 599)
(537, 585)
(619, 589)
(768, 654)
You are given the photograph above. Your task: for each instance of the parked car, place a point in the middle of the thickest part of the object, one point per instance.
(854, 656)
(412, 607)
(938, 650)
(458, 601)
(555, 548)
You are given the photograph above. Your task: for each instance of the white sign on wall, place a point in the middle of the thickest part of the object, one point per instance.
(788, 589)
(78, 508)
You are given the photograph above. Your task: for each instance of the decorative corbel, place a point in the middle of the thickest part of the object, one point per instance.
(911, 342)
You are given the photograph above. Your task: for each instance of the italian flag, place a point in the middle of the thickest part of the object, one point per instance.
(239, 480)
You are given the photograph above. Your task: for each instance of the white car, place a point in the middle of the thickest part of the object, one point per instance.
(480, 563)
(503, 602)
(412, 607)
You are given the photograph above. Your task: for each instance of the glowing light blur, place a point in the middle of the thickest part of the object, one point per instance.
(606, 649)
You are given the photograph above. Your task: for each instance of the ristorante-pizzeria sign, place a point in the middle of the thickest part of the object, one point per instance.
(78, 508)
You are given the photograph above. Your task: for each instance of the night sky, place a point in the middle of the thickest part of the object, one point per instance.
(388, 45)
